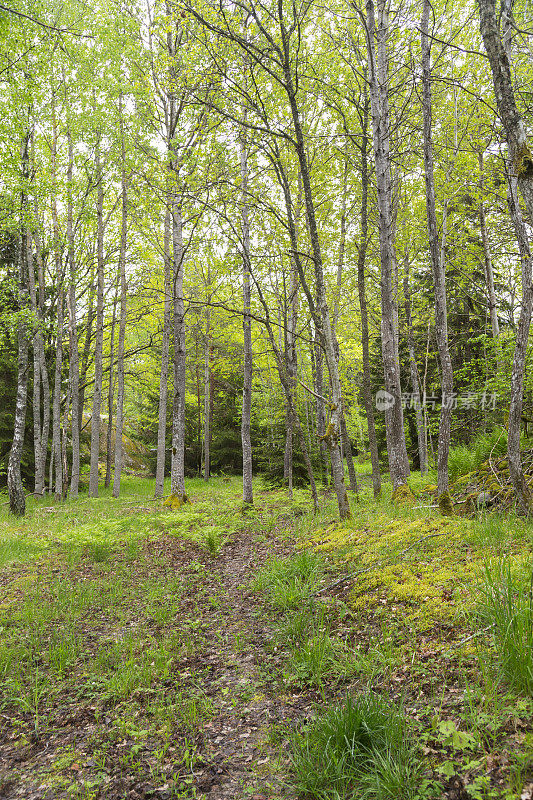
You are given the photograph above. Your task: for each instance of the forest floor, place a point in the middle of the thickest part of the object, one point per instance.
(150, 653)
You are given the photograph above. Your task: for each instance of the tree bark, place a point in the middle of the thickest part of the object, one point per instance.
(366, 386)
(520, 173)
(99, 341)
(111, 394)
(513, 123)
(17, 498)
(333, 430)
(523, 491)
(177, 475)
(437, 261)
(165, 359)
(55, 456)
(119, 430)
(86, 345)
(378, 81)
(489, 272)
(74, 362)
(247, 488)
(413, 371)
(207, 381)
(44, 377)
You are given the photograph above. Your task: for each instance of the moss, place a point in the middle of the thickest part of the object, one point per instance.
(523, 162)
(402, 493)
(445, 504)
(176, 500)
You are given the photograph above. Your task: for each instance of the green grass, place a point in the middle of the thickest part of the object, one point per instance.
(291, 582)
(506, 606)
(358, 749)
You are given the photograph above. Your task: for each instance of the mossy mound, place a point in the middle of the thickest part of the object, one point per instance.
(490, 486)
(176, 500)
(402, 494)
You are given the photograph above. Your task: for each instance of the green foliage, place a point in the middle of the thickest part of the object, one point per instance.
(361, 748)
(291, 582)
(506, 606)
(467, 458)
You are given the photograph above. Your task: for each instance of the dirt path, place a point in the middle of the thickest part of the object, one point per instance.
(91, 749)
(239, 735)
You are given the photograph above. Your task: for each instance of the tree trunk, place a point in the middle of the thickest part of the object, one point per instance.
(489, 273)
(111, 394)
(99, 341)
(177, 475)
(56, 403)
(520, 173)
(207, 381)
(333, 430)
(247, 489)
(40, 431)
(523, 491)
(119, 431)
(86, 345)
(378, 80)
(17, 499)
(366, 386)
(289, 397)
(320, 407)
(43, 369)
(513, 123)
(439, 278)
(413, 371)
(55, 455)
(165, 358)
(74, 363)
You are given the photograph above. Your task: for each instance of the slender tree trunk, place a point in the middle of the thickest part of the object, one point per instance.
(39, 443)
(17, 499)
(513, 123)
(366, 387)
(489, 272)
(110, 396)
(87, 345)
(207, 381)
(74, 363)
(439, 278)
(247, 491)
(42, 369)
(342, 244)
(320, 408)
(165, 358)
(333, 430)
(56, 402)
(521, 175)
(291, 358)
(413, 371)
(523, 491)
(99, 342)
(119, 431)
(290, 399)
(378, 74)
(177, 476)
(55, 457)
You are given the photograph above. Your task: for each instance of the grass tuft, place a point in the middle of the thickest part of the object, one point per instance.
(358, 749)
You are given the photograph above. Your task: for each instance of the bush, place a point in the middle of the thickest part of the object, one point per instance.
(358, 749)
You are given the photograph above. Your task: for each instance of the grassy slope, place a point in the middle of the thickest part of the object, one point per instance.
(111, 611)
